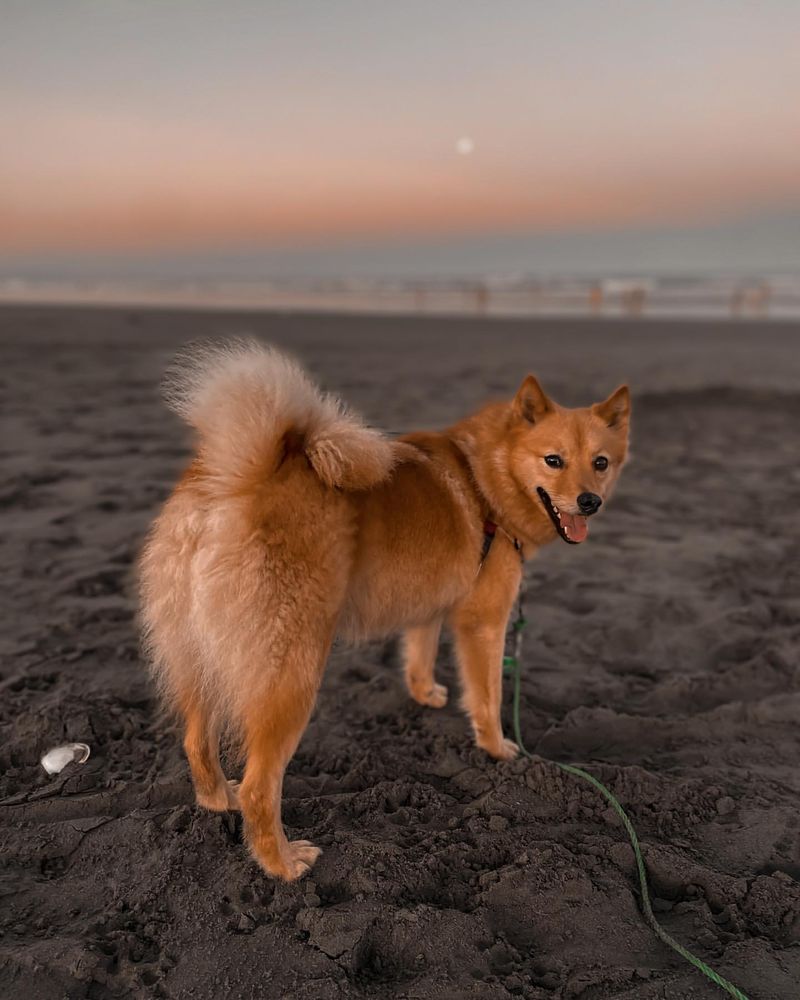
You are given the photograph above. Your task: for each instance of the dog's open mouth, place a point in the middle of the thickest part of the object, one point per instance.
(571, 527)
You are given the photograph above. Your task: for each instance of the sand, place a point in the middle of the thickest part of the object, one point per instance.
(661, 655)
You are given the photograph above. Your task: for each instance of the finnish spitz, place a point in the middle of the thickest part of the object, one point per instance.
(295, 523)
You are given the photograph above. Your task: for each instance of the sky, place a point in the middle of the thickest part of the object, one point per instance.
(301, 131)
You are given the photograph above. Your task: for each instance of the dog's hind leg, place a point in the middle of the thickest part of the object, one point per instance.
(201, 744)
(273, 726)
(420, 646)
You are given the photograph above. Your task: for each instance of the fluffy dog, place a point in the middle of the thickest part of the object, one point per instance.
(295, 523)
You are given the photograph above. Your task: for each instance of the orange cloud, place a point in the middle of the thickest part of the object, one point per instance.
(87, 182)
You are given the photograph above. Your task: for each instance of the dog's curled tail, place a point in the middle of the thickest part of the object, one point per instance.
(252, 405)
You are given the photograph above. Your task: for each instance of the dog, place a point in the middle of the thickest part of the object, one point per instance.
(296, 523)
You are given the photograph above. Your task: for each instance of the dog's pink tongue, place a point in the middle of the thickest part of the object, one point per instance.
(576, 526)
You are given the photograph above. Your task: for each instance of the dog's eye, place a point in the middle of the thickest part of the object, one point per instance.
(601, 463)
(554, 461)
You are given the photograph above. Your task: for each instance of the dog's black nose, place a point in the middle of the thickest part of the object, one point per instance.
(589, 503)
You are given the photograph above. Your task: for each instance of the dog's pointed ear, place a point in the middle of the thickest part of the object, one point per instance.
(531, 403)
(615, 410)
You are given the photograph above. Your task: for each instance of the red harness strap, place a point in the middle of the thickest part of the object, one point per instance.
(489, 531)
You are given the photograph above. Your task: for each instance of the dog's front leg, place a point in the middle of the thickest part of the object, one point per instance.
(479, 626)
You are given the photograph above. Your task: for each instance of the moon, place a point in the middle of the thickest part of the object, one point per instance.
(465, 145)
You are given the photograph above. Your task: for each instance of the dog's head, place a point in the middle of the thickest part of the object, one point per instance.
(566, 461)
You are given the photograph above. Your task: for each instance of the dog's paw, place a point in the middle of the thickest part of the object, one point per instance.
(501, 749)
(297, 860)
(434, 696)
(224, 798)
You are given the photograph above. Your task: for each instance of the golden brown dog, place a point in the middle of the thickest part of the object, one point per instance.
(295, 523)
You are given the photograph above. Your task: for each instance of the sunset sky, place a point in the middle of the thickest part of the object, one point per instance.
(140, 126)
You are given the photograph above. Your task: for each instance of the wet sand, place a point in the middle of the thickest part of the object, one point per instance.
(662, 655)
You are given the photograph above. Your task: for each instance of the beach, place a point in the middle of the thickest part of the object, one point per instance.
(662, 656)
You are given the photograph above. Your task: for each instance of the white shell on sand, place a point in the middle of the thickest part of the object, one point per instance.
(55, 760)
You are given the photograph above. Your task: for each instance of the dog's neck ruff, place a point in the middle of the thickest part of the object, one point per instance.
(490, 529)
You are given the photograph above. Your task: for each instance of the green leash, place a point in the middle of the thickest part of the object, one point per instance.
(513, 664)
